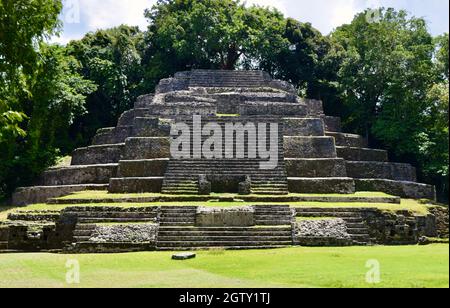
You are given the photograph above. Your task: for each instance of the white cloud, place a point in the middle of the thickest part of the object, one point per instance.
(101, 14)
(278, 4)
(325, 15)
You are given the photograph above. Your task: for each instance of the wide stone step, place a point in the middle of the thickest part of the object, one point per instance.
(224, 233)
(179, 209)
(80, 239)
(281, 213)
(360, 237)
(139, 148)
(248, 247)
(40, 194)
(359, 225)
(316, 167)
(329, 214)
(363, 231)
(114, 220)
(73, 175)
(78, 233)
(321, 185)
(240, 238)
(177, 214)
(99, 154)
(220, 243)
(402, 189)
(381, 170)
(273, 108)
(270, 192)
(332, 209)
(303, 127)
(142, 168)
(309, 147)
(136, 185)
(176, 224)
(273, 222)
(226, 229)
(30, 216)
(85, 227)
(177, 219)
(361, 154)
(348, 140)
(117, 135)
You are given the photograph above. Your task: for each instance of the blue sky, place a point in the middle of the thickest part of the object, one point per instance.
(82, 16)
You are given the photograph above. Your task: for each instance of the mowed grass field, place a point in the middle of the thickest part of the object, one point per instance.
(401, 266)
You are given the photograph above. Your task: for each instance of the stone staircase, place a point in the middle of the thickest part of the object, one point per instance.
(192, 238)
(273, 215)
(177, 230)
(182, 174)
(356, 226)
(177, 216)
(83, 232)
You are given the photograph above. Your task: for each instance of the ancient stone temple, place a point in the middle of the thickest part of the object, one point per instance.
(313, 154)
(303, 156)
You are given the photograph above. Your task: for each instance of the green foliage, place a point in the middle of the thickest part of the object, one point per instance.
(392, 91)
(41, 92)
(214, 34)
(112, 59)
(18, 56)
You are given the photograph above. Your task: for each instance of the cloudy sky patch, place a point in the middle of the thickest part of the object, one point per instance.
(82, 16)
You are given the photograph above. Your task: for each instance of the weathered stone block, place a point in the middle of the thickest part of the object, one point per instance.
(397, 188)
(93, 174)
(272, 108)
(348, 140)
(303, 127)
(146, 148)
(177, 109)
(220, 217)
(332, 124)
(381, 170)
(309, 147)
(361, 154)
(151, 127)
(315, 167)
(143, 168)
(314, 107)
(136, 185)
(321, 185)
(100, 154)
(40, 194)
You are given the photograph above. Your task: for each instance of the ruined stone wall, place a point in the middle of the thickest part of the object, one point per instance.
(400, 228)
(442, 217)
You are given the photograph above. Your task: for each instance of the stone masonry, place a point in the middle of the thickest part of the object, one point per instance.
(315, 156)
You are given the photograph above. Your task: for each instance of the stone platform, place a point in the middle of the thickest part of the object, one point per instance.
(109, 229)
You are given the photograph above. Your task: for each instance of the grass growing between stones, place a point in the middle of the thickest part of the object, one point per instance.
(404, 266)
(98, 195)
(414, 206)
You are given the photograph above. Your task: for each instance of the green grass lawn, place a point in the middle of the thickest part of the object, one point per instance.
(404, 266)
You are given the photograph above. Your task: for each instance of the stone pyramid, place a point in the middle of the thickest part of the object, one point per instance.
(315, 156)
